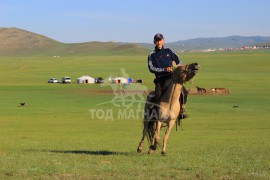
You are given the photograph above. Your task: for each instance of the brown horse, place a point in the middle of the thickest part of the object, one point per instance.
(200, 90)
(167, 110)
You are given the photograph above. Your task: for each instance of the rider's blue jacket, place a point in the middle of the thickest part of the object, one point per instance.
(160, 59)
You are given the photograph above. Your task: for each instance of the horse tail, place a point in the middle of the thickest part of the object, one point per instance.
(149, 121)
(148, 128)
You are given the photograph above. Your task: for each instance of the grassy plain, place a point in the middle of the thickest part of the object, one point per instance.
(55, 137)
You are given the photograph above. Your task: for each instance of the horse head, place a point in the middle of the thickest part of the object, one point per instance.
(185, 73)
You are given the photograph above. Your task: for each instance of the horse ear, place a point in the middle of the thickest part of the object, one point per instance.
(195, 66)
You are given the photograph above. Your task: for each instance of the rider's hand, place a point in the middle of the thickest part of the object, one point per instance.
(169, 69)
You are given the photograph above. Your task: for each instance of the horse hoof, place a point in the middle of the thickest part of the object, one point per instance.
(139, 150)
(151, 151)
(163, 153)
(153, 147)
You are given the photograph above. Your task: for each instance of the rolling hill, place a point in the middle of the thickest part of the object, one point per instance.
(15, 41)
(214, 43)
(218, 42)
(18, 42)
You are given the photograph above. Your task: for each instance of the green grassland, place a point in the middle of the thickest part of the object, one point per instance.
(55, 137)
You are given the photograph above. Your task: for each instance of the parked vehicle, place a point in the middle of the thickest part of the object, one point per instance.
(66, 80)
(99, 80)
(53, 80)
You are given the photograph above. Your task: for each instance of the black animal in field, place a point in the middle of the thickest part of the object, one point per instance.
(23, 104)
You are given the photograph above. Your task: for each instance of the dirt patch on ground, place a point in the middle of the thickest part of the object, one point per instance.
(104, 92)
(211, 91)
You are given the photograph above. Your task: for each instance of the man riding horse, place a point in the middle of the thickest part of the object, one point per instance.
(166, 111)
(160, 63)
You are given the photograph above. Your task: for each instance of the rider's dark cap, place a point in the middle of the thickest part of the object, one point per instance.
(158, 37)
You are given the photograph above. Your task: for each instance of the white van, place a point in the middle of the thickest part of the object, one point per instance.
(66, 80)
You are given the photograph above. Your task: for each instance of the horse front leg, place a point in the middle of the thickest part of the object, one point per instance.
(155, 140)
(145, 129)
(166, 137)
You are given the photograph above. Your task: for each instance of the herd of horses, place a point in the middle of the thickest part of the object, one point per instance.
(164, 113)
(201, 90)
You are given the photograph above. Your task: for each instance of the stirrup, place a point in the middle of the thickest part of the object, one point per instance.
(182, 116)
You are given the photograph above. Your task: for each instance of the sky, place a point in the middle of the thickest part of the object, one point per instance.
(75, 21)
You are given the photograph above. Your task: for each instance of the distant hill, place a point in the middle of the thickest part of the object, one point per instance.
(263, 44)
(213, 43)
(218, 42)
(18, 42)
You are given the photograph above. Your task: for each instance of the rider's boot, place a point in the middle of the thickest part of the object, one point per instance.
(182, 115)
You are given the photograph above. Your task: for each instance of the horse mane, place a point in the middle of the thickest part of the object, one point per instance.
(177, 77)
(179, 74)
(166, 96)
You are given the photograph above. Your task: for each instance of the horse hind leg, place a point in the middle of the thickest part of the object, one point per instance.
(155, 140)
(145, 128)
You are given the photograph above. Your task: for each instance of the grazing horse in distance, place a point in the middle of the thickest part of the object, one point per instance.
(167, 109)
(200, 90)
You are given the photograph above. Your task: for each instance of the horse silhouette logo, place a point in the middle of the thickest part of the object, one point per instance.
(126, 94)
